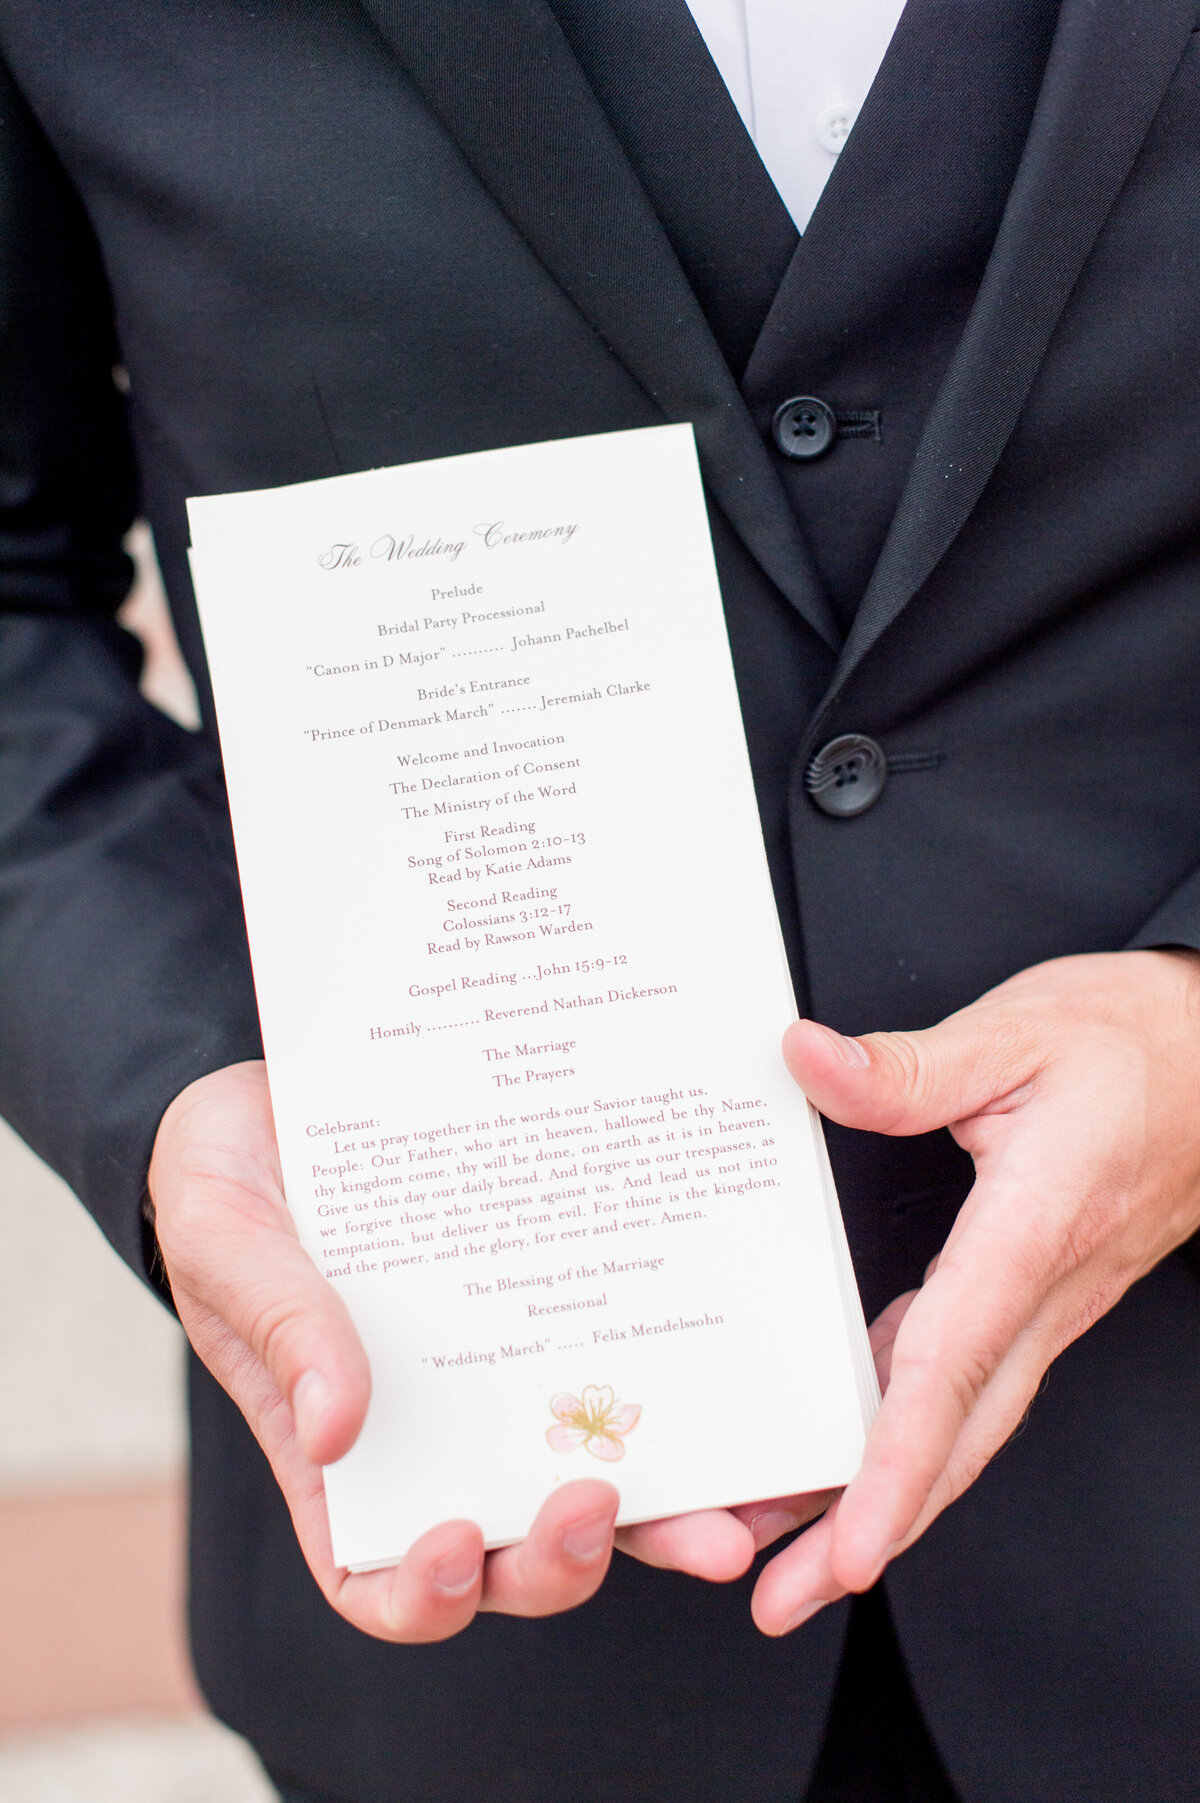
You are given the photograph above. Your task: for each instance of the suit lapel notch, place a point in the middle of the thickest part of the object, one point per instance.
(502, 78)
(1108, 68)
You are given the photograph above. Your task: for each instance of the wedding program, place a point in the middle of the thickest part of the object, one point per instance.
(522, 988)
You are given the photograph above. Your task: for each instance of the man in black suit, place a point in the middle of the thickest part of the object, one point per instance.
(335, 234)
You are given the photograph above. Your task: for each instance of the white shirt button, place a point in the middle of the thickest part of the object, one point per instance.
(834, 124)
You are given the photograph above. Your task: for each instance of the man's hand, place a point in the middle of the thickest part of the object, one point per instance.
(278, 1337)
(1075, 1087)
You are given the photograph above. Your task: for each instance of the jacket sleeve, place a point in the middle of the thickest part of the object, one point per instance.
(123, 965)
(1175, 922)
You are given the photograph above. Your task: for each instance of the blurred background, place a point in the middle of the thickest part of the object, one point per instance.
(97, 1701)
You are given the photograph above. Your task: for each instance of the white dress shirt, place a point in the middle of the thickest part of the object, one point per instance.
(797, 71)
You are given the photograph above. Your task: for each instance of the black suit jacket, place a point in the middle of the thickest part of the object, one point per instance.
(331, 234)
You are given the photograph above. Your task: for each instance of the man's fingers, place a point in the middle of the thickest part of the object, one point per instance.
(798, 1581)
(244, 1287)
(951, 1342)
(445, 1578)
(248, 1273)
(719, 1545)
(884, 1328)
(278, 1337)
(814, 1570)
(770, 1521)
(913, 1082)
(563, 1558)
(961, 1359)
(433, 1592)
(929, 1442)
(712, 1544)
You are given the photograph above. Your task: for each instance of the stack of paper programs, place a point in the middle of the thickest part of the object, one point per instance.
(522, 988)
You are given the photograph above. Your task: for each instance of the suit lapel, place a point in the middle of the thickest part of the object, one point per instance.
(502, 78)
(673, 116)
(1109, 66)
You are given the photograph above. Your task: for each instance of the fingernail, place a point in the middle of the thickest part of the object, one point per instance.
(311, 1396)
(803, 1615)
(770, 1525)
(848, 1050)
(586, 1540)
(456, 1572)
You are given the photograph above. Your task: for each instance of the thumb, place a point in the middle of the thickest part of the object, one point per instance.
(911, 1082)
(303, 1334)
(246, 1282)
(253, 1304)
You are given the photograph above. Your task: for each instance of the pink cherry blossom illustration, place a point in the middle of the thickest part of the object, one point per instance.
(599, 1422)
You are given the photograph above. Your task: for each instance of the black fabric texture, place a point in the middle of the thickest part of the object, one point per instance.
(880, 287)
(337, 235)
(513, 132)
(84, 762)
(718, 206)
(1103, 1477)
(877, 1748)
(1111, 87)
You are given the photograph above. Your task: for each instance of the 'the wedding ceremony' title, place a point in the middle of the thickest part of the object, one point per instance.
(388, 548)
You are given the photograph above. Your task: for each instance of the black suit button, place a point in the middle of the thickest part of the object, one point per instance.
(804, 427)
(847, 776)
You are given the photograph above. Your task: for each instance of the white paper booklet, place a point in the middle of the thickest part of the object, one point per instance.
(522, 987)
